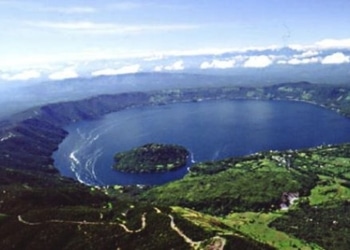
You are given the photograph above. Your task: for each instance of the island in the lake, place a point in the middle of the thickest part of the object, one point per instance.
(151, 158)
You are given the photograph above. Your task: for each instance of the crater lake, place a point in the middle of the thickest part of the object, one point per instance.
(210, 130)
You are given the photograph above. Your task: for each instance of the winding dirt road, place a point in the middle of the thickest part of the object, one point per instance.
(216, 243)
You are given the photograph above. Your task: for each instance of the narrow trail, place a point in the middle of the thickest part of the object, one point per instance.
(193, 244)
(216, 243)
(157, 210)
(126, 229)
(143, 225)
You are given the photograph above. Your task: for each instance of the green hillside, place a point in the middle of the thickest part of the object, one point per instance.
(272, 196)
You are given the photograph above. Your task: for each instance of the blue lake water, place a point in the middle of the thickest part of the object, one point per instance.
(209, 130)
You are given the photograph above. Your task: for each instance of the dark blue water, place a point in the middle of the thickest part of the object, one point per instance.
(209, 130)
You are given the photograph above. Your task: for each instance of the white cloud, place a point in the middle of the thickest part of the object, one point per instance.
(72, 25)
(294, 61)
(333, 43)
(219, 64)
(105, 72)
(257, 62)
(154, 58)
(71, 10)
(281, 62)
(158, 68)
(300, 47)
(197, 52)
(126, 5)
(336, 58)
(297, 61)
(123, 70)
(323, 45)
(206, 65)
(64, 74)
(307, 53)
(109, 28)
(178, 65)
(239, 57)
(22, 76)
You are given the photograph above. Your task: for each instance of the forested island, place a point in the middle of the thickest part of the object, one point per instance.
(151, 158)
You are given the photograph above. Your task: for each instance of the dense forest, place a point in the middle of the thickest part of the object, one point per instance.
(151, 158)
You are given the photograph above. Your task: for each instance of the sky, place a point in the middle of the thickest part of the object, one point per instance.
(43, 32)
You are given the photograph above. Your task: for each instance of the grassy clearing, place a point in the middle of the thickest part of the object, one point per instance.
(329, 190)
(205, 221)
(250, 224)
(255, 225)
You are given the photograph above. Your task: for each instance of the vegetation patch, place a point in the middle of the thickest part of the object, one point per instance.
(329, 190)
(255, 225)
(328, 227)
(255, 183)
(226, 234)
(151, 158)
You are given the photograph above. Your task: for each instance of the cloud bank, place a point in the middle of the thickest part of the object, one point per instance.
(218, 64)
(178, 65)
(98, 61)
(98, 28)
(22, 76)
(123, 70)
(333, 43)
(257, 62)
(336, 58)
(64, 74)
